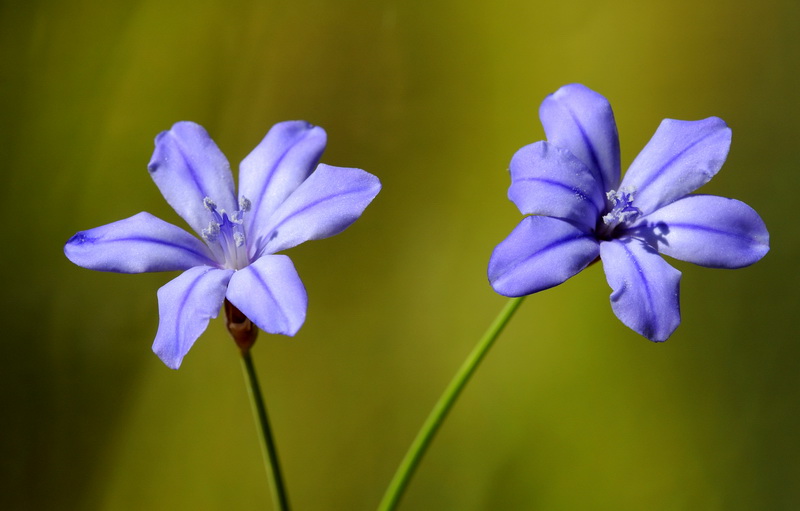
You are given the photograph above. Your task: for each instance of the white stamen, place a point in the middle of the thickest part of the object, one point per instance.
(225, 235)
(621, 209)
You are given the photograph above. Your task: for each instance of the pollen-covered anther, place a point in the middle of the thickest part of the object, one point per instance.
(211, 233)
(244, 204)
(209, 204)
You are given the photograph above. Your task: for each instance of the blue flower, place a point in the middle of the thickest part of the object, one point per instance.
(281, 203)
(570, 185)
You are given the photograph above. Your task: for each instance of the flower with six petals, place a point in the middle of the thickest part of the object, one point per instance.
(579, 210)
(282, 202)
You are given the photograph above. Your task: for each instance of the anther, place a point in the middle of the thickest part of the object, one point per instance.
(244, 204)
(211, 233)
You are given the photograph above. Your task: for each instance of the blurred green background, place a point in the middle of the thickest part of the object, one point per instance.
(571, 410)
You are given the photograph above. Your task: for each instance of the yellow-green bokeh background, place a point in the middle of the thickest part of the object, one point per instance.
(571, 410)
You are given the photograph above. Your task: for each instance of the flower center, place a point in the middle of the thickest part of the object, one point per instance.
(225, 234)
(621, 211)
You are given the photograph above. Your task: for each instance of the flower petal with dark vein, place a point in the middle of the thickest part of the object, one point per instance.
(580, 210)
(285, 198)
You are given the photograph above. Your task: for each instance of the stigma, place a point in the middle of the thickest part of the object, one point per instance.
(225, 234)
(621, 211)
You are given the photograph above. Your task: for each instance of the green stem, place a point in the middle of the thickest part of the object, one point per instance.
(269, 452)
(409, 464)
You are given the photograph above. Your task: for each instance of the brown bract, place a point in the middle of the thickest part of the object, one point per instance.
(243, 331)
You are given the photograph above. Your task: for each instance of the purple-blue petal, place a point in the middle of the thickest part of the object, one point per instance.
(547, 180)
(581, 121)
(541, 252)
(185, 306)
(187, 166)
(711, 231)
(645, 288)
(325, 204)
(681, 157)
(276, 167)
(141, 243)
(270, 293)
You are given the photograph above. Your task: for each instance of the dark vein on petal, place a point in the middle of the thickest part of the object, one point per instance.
(184, 301)
(592, 151)
(664, 168)
(547, 248)
(191, 170)
(316, 203)
(267, 290)
(696, 227)
(257, 200)
(646, 286)
(155, 241)
(563, 186)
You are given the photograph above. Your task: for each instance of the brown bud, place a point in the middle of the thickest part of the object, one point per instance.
(243, 331)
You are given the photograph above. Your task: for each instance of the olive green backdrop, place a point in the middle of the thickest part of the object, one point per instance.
(571, 410)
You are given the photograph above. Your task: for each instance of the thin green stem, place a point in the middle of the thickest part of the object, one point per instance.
(269, 452)
(409, 464)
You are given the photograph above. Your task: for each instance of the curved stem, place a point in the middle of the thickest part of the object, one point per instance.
(269, 452)
(409, 464)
